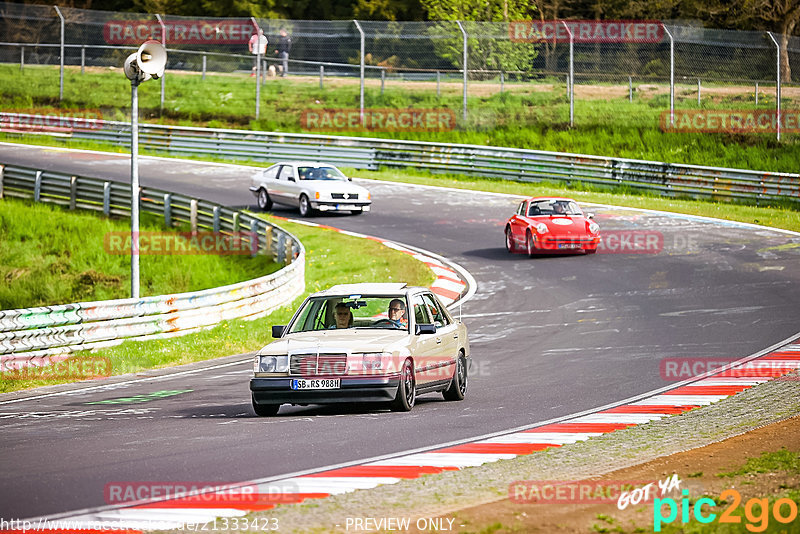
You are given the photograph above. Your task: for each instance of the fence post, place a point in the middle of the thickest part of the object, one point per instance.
(235, 227)
(164, 44)
(361, 32)
(571, 84)
(37, 186)
(193, 215)
(671, 77)
(777, 83)
(698, 91)
(61, 71)
(465, 67)
(502, 81)
(258, 65)
(106, 198)
(630, 89)
(2, 167)
(168, 210)
(438, 79)
(21, 58)
(83, 58)
(321, 76)
(756, 93)
(73, 192)
(383, 79)
(203, 77)
(253, 237)
(215, 224)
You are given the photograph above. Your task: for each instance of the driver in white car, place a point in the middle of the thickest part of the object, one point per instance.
(397, 313)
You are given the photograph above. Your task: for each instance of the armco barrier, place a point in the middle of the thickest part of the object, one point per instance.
(38, 336)
(370, 153)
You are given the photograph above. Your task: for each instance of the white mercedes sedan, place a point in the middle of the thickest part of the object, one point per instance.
(309, 186)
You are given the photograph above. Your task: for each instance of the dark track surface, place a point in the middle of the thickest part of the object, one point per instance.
(550, 336)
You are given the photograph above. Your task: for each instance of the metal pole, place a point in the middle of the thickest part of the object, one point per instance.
(61, 71)
(321, 75)
(258, 66)
(465, 67)
(438, 80)
(83, 58)
(698, 91)
(571, 84)
(756, 93)
(671, 77)
(777, 83)
(502, 81)
(383, 79)
(204, 67)
(164, 44)
(134, 189)
(361, 91)
(21, 58)
(630, 89)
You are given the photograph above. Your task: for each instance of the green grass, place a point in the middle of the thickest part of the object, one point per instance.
(768, 462)
(51, 255)
(332, 258)
(524, 116)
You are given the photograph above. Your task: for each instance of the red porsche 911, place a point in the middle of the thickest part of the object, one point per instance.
(551, 225)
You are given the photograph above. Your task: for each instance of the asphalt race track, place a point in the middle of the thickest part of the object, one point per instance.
(550, 336)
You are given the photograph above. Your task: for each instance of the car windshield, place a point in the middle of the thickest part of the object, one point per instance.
(553, 207)
(320, 173)
(352, 311)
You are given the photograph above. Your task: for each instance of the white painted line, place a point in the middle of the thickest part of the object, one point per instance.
(632, 418)
(680, 400)
(732, 381)
(332, 485)
(554, 438)
(440, 459)
(449, 285)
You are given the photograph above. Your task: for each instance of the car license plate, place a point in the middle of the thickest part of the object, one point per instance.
(316, 383)
(569, 245)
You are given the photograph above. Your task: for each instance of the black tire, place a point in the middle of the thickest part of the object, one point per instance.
(510, 246)
(530, 248)
(458, 387)
(356, 212)
(406, 390)
(305, 206)
(264, 202)
(264, 410)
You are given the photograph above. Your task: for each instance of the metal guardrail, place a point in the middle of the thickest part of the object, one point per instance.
(667, 179)
(38, 336)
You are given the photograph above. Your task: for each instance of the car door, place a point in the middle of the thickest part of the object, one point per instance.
(427, 347)
(446, 339)
(286, 185)
(518, 224)
(268, 181)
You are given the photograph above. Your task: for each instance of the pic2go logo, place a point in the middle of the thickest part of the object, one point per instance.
(756, 511)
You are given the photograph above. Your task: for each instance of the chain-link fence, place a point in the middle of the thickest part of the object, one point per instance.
(578, 61)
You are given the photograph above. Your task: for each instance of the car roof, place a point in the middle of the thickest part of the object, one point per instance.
(366, 289)
(552, 198)
(304, 163)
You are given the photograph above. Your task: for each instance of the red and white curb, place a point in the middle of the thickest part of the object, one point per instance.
(453, 282)
(772, 363)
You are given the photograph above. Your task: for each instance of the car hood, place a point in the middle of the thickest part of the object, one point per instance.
(563, 225)
(333, 186)
(349, 340)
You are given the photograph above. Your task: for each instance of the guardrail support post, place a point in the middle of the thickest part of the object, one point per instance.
(268, 242)
(253, 237)
(37, 186)
(73, 192)
(106, 198)
(193, 215)
(83, 58)
(61, 71)
(203, 77)
(777, 84)
(2, 167)
(215, 224)
(361, 32)
(321, 75)
(235, 222)
(168, 210)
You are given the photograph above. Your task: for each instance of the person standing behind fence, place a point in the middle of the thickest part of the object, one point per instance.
(257, 45)
(284, 45)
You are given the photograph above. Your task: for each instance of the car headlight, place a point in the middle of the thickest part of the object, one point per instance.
(372, 361)
(594, 227)
(273, 364)
(541, 228)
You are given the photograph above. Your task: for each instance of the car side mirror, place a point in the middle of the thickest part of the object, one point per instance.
(277, 330)
(291, 178)
(425, 329)
(349, 179)
(590, 216)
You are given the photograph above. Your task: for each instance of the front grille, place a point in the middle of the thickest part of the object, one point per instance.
(344, 196)
(318, 364)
